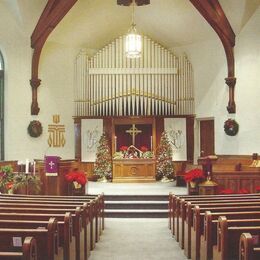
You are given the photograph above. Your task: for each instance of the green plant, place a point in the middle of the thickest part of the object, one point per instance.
(231, 127)
(6, 178)
(27, 181)
(164, 164)
(103, 163)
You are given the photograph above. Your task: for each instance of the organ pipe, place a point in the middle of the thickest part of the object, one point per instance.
(109, 84)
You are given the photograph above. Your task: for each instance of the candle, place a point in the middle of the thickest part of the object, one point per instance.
(27, 166)
(151, 142)
(115, 143)
(34, 164)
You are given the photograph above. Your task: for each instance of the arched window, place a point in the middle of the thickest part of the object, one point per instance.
(1, 107)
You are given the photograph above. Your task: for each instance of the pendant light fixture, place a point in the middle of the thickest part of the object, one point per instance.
(133, 41)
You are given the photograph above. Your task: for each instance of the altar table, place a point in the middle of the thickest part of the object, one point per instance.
(133, 170)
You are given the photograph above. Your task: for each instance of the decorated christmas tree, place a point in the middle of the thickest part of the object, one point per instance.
(164, 164)
(103, 163)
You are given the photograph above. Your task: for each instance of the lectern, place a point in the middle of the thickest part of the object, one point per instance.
(52, 172)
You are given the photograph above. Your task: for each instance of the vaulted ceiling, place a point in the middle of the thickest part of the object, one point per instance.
(94, 23)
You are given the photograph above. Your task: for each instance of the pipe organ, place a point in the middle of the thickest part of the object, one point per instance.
(109, 84)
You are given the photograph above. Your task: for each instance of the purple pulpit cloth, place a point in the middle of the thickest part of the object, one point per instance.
(51, 164)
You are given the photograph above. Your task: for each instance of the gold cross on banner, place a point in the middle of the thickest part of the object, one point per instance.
(133, 131)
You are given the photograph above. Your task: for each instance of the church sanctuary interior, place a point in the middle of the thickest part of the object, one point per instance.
(129, 129)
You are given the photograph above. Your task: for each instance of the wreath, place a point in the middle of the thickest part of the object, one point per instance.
(231, 127)
(35, 128)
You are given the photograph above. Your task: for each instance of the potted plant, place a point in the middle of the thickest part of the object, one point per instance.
(26, 184)
(194, 177)
(76, 182)
(6, 179)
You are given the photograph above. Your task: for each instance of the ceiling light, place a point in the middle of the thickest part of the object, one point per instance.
(133, 41)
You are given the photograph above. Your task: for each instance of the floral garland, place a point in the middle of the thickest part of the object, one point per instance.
(231, 127)
(35, 128)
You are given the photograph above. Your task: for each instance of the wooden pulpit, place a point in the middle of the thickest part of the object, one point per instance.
(54, 183)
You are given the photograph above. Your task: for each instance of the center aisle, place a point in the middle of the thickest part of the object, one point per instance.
(136, 239)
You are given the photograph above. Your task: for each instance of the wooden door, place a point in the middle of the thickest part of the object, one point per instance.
(207, 137)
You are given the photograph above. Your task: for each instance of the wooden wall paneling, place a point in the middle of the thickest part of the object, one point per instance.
(190, 138)
(88, 167)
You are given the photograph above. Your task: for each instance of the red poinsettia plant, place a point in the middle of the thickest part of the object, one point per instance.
(78, 177)
(144, 149)
(123, 148)
(195, 175)
(226, 191)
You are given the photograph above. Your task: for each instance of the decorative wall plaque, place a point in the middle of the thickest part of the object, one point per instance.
(56, 133)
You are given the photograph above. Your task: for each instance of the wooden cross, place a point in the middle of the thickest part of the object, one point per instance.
(133, 131)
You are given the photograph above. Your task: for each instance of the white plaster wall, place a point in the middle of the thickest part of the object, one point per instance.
(55, 95)
(211, 92)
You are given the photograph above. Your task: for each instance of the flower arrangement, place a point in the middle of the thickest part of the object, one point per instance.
(26, 183)
(144, 149)
(123, 148)
(243, 191)
(6, 179)
(194, 175)
(78, 179)
(227, 191)
(231, 127)
(34, 128)
(130, 152)
(230, 191)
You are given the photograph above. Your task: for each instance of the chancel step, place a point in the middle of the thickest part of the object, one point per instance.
(136, 206)
(136, 197)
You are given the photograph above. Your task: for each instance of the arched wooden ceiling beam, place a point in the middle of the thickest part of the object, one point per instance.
(212, 11)
(52, 14)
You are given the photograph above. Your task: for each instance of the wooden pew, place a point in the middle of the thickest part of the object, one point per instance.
(96, 210)
(248, 250)
(90, 228)
(181, 217)
(80, 242)
(208, 231)
(185, 215)
(174, 204)
(64, 231)
(28, 251)
(190, 238)
(74, 228)
(47, 240)
(228, 239)
(99, 198)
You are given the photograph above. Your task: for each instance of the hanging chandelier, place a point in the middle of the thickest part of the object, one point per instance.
(133, 41)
